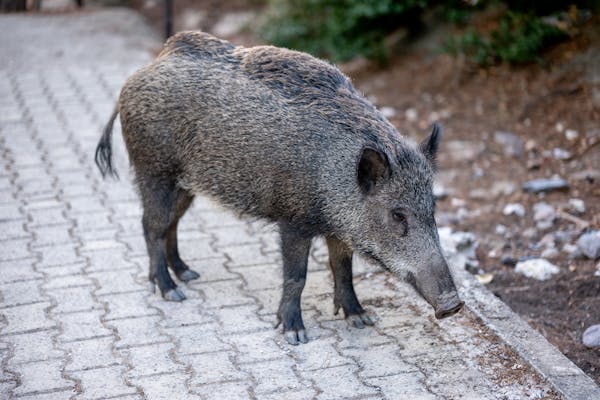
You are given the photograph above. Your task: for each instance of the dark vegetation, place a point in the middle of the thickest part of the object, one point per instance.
(514, 32)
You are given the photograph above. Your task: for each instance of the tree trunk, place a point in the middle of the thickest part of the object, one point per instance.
(13, 5)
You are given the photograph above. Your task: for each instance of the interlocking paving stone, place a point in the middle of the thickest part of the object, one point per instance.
(40, 376)
(33, 346)
(27, 318)
(103, 382)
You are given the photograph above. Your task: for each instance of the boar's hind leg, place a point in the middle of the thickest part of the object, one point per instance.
(294, 248)
(159, 199)
(183, 272)
(340, 262)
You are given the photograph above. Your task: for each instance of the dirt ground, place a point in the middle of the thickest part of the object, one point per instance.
(541, 104)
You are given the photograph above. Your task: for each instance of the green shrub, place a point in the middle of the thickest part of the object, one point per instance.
(339, 29)
(518, 39)
(342, 29)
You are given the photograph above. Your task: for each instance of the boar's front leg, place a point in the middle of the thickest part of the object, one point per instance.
(294, 248)
(340, 262)
(181, 269)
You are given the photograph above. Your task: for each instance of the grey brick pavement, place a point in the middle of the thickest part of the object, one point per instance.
(76, 318)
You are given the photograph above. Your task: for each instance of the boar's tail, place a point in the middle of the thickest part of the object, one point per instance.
(103, 155)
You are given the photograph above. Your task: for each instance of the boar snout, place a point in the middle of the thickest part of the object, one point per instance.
(436, 286)
(448, 304)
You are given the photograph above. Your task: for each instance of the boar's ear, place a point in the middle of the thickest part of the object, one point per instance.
(429, 146)
(373, 168)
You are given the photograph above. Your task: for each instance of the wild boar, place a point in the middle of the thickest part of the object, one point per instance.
(280, 135)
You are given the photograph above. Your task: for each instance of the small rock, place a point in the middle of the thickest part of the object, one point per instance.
(564, 236)
(456, 202)
(571, 134)
(513, 145)
(509, 261)
(576, 206)
(545, 185)
(439, 191)
(591, 336)
(543, 215)
(514, 209)
(561, 154)
(559, 127)
(530, 145)
(589, 244)
(463, 213)
(570, 249)
(550, 252)
(411, 114)
(529, 233)
(387, 112)
(501, 229)
(537, 268)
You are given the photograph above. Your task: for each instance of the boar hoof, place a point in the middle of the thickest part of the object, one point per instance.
(295, 338)
(174, 295)
(188, 275)
(359, 320)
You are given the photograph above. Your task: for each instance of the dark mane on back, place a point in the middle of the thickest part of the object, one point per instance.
(198, 45)
(295, 75)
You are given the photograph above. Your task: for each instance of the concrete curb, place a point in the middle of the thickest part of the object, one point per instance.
(566, 378)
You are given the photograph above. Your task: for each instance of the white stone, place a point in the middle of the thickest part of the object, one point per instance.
(388, 112)
(456, 202)
(577, 206)
(500, 229)
(591, 336)
(559, 127)
(550, 252)
(411, 114)
(589, 244)
(514, 209)
(561, 154)
(537, 268)
(571, 134)
(543, 215)
(439, 190)
(570, 248)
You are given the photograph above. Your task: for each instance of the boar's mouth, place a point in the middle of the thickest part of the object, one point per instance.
(448, 304)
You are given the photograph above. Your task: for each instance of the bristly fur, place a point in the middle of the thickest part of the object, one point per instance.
(279, 135)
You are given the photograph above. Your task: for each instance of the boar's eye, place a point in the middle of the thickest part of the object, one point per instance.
(399, 217)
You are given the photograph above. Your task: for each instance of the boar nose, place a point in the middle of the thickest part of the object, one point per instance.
(448, 304)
